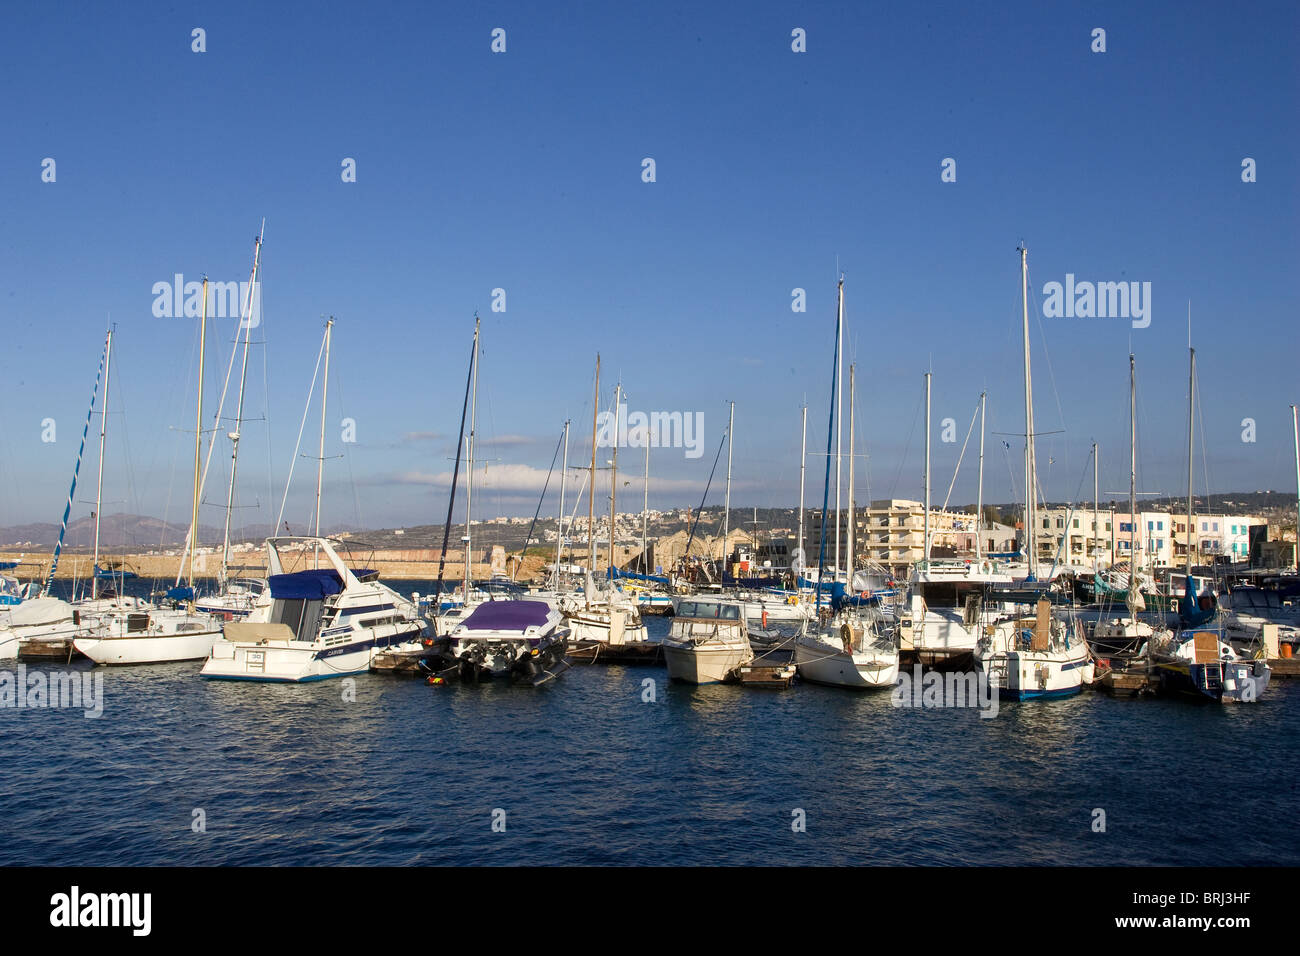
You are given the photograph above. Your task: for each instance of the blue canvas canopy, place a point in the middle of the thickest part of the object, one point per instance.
(181, 593)
(313, 585)
(507, 616)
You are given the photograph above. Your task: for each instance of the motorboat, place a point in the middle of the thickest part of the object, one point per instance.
(707, 642)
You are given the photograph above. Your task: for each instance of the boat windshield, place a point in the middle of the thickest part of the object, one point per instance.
(709, 609)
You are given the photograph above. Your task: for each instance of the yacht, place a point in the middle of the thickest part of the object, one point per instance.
(325, 621)
(853, 651)
(1038, 656)
(519, 640)
(707, 642)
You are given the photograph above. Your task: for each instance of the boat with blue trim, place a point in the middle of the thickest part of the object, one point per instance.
(326, 620)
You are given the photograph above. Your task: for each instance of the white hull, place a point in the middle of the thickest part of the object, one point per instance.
(1026, 675)
(148, 648)
(285, 661)
(705, 664)
(823, 663)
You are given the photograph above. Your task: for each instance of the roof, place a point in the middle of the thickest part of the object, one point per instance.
(507, 616)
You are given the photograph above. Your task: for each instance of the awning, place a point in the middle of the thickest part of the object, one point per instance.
(313, 585)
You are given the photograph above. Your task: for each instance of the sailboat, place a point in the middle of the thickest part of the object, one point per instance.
(1198, 661)
(237, 597)
(605, 624)
(851, 649)
(155, 635)
(1041, 655)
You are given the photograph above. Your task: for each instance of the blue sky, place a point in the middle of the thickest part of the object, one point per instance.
(522, 171)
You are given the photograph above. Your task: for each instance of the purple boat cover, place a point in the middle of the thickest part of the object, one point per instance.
(507, 616)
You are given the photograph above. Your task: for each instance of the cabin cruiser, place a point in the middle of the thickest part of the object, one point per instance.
(520, 640)
(1039, 656)
(1252, 607)
(947, 601)
(320, 622)
(765, 606)
(707, 642)
(25, 614)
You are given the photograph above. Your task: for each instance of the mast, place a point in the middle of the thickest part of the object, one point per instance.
(852, 462)
(1030, 491)
(99, 489)
(324, 398)
(726, 506)
(1295, 427)
(72, 491)
(559, 536)
(239, 406)
(469, 461)
(1191, 441)
(1092, 538)
(645, 509)
(591, 489)
(830, 434)
(1134, 597)
(979, 494)
(803, 462)
(839, 411)
(613, 482)
(198, 438)
(926, 547)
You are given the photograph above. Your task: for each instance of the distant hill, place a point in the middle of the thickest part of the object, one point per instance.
(135, 533)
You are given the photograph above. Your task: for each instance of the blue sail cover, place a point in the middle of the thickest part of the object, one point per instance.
(181, 593)
(8, 565)
(633, 576)
(507, 616)
(313, 585)
(114, 573)
(1190, 609)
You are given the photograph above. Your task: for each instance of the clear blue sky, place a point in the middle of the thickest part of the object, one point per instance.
(522, 171)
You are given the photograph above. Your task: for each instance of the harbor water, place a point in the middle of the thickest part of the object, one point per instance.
(614, 765)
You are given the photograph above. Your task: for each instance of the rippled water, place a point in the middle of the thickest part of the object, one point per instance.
(588, 773)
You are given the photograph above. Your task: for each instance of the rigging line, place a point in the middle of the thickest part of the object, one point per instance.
(536, 514)
(455, 475)
(960, 456)
(298, 445)
(916, 414)
(704, 497)
(1051, 372)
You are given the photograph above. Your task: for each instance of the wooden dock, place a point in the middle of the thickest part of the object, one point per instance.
(766, 675)
(1285, 667)
(55, 649)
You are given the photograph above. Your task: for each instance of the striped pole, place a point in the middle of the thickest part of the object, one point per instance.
(67, 510)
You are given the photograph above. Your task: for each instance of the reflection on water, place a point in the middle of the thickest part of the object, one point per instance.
(588, 773)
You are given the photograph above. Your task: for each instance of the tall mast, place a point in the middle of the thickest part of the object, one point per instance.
(926, 546)
(1295, 428)
(645, 509)
(591, 488)
(559, 534)
(726, 506)
(239, 405)
(979, 495)
(198, 436)
(1030, 491)
(1134, 599)
(613, 481)
(839, 411)
(852, 462)
(1191, 441)
(99, 490)
(1092, 538)
(469, 460)
(324, 399)
(803, 462)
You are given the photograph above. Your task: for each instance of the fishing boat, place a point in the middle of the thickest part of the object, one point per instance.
(323, 621)
(521, 641)
(1043, 655)
(706, 643)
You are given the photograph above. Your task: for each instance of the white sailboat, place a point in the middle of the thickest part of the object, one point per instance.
(1042, 656)
(853, 649)
(154, 635)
